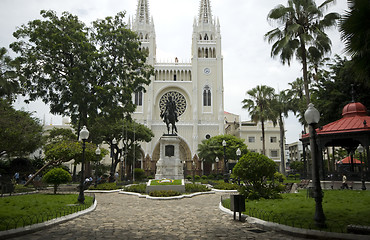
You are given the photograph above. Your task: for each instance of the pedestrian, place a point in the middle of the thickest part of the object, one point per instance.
(16, 177)
(344, 182)
(116, 176)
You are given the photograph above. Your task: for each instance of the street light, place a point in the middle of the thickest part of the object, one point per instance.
(122, 168)
(312, 117)
(360, 149)
(238, 153)
(84, 135)
(225, 161)
(114, 143)
(217, 160)
(97, 153)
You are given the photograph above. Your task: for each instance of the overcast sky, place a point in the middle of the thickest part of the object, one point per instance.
(247, 61)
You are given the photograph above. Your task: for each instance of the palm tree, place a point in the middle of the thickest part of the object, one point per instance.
(300, 31)
(355, 30)
(259, 107)
(281, 105)
(297, 99)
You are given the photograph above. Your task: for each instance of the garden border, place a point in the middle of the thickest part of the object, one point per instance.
(39, 226)
(293, 231)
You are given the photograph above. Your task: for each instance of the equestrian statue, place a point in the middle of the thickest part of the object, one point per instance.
(169, 115)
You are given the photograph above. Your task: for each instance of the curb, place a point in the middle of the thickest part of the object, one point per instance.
(40, 226)
(293, 231)
(166, 198)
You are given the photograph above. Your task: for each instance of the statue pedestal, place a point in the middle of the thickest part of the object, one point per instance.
(169, 164)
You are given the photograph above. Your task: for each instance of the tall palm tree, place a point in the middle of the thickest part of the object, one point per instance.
(281, 106)
(259, 107)
(355, 30)
(301, 31)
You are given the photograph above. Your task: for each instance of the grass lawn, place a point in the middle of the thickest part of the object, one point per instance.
(341, 208)
(16, 211)
(173, 182)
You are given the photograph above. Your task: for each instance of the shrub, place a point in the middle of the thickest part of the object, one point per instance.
(189, 177)
(164, 193)
(297, 176)
(57, 176)
(150, 177)
(254, 170)
(190, 188)
(139, 174)
(21, 188)
(197, 177)
(105, 186)
(226, 186)
(279, 177)
(211, 176)
(138, 188)
(204, 177)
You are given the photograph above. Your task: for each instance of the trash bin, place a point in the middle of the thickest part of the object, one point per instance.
(237, 204)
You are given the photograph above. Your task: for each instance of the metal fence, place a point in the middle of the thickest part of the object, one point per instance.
(23, 221)
(269, 216)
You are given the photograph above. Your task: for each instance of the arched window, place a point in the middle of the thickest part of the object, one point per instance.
(139, 98)
(206, 37)
(206, 96)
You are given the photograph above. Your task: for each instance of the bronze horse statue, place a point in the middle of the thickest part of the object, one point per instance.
(169, 116)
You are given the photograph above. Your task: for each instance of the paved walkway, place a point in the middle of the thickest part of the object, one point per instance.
(120, 216)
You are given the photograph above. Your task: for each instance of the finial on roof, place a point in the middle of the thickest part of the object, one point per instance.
(353, 93)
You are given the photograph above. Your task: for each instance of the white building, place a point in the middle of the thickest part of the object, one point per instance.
(196, 86)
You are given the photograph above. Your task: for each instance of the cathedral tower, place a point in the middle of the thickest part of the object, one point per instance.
(196, 86)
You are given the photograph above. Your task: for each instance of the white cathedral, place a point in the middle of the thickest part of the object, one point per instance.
(197, 88)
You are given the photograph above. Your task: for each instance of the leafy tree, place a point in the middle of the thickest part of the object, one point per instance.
(211, 148)
(259, 107)
(61, 146)
(130, 132)
(297, 166)
(355, 30)
(9, 83)
(301, 31)
(332, 93)
(81, 71)
(57, 176)
(20, 133)
(255, 169)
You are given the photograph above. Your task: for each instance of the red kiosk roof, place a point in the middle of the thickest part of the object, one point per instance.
(354, 119)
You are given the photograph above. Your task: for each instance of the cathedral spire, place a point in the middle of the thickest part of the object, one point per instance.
(142, 12)
(205, 13)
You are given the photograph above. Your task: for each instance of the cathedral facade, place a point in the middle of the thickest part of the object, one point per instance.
(196, 87)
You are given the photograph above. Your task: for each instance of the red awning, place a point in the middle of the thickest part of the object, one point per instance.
(347, 160)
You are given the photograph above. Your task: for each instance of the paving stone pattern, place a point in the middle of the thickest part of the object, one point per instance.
(120, 216)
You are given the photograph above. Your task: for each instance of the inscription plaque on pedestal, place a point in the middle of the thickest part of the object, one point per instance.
(169, 150)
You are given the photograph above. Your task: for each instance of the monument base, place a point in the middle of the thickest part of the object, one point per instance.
(169, 164)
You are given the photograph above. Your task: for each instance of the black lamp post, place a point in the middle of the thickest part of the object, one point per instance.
(238, 153)
(360, 149)
(312, 117)
(225, 162)
(97, 153)
(84, 135)
(114, 143)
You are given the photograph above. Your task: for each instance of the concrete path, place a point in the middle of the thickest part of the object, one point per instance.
(120, 216)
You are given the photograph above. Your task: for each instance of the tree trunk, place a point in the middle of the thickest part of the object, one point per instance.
(305, 77)
(263, 138)
(43, 167)
(282, 137)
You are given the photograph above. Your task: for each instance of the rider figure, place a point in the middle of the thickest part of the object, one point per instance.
(171, 108)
